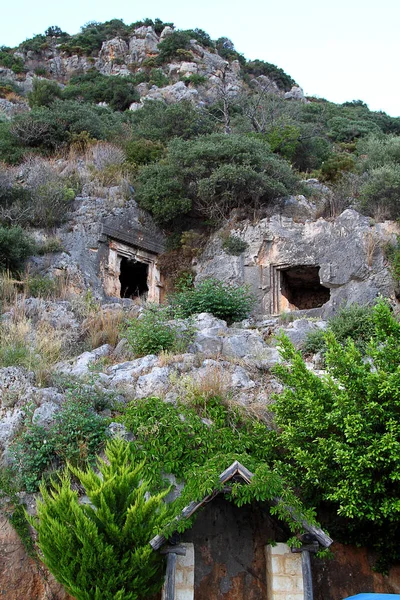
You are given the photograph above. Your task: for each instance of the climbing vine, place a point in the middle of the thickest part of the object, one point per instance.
(196, 444)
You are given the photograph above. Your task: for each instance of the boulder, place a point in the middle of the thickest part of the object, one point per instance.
(154, 383)
(80, 365)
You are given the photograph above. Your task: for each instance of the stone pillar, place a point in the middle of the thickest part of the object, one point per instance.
(184, 574)
(284, 574)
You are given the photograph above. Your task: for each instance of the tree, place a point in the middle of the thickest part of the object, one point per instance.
(100, 550)
(340, 434)
(211, 175)
(43, 93)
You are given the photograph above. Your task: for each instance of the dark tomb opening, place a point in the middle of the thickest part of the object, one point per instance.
(133, 278)
(301, 286)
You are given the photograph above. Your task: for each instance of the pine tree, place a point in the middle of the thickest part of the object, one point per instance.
(100, 550)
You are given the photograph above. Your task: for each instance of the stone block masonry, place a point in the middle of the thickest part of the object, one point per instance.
(284, 573)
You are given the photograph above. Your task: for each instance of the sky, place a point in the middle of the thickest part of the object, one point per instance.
(340, 50)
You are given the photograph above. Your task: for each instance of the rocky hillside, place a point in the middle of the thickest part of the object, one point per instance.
(140, 162)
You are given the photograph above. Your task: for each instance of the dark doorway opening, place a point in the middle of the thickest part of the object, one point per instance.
(301, 286)
(133, 278)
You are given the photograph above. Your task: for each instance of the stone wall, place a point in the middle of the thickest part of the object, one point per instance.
(348, 252)
(284, 573)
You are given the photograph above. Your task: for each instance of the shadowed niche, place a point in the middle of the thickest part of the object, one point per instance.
(133, 278)
(302, 288)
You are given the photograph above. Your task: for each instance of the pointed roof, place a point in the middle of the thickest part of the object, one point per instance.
(238, 471)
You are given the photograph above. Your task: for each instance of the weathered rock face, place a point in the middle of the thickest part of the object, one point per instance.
(20, 577)
(316, 266)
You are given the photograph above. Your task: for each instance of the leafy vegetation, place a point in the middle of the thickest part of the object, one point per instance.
(154, 332)
(354, 322)
(211, 175)
(77, 435)
(340, 434)
(101, 550)
(225, 301)
(15, 247)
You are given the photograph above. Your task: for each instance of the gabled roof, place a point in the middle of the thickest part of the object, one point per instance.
(238, 471)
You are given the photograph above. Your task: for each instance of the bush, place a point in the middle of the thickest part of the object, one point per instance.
(43, 93)
(15, 247)
(101, 550)
(211, 175)
(225, 301)
(76, 435)
(259, 67)
(143, 152)
(378, 151)
(354, 322)
(333, 168)
(340, 434)
(168, 48)
(117, 92)
(232, 244)
(154, 332)
(380, 195)
(161, 122)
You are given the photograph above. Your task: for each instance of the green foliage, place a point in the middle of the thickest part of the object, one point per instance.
(354, 322)
(175, 439)
(169, 46)
(43, 93)
(378, 150)
(161, 122)
(92, 36)
(8, 60)
(392, 252)
(38, 286)
(76, 435)
(154, 331)
(143, 152)
(259, 67)
(194, 79)
(349, 127)
(15, 247)
(51, 127)
(211, 175)
(333, 168)
(340, 434)
(101, 550)
(226, 49)
(284, 139)
(158, 78)
(93, 87)
(232, 244)
(380, 195)
(36, 44)
(225, 301)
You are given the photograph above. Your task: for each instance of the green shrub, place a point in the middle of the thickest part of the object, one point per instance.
(43, 93)
(195, 79)
(161, 122)
(143, 152)
(76, 435)
(392, 252)
(154, 332)
(101, 550)
(378, 151)
(117, 92)
(354, 322)
(51, 202)
(225, 301)
(333, 168)
(259, 67)
(42, 287)
(232, 244)
(340, 434)
(380, 195)
(169, 46)
(8, 60)
(157, 77)
(211, 175)
(15, 247)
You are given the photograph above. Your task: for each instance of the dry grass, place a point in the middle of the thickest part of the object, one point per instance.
(36, 349)
(103, 327)
(9, 289)
(198, 388)
(371, 244)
